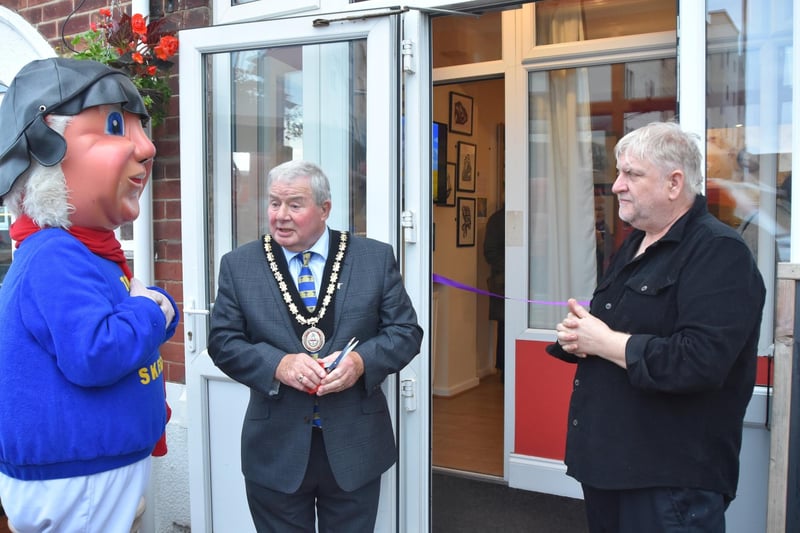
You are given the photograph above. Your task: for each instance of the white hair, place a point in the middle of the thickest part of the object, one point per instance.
(41, 192)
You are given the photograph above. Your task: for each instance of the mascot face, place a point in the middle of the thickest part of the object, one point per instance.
(107, 164)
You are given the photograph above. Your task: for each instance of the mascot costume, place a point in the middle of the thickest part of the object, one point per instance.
(82, 397)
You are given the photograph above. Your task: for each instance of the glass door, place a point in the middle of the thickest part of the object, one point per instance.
(255, 95)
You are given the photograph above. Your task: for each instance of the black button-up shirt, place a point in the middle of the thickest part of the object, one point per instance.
(692, 302)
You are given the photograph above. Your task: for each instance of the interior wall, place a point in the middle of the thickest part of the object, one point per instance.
(463, 349)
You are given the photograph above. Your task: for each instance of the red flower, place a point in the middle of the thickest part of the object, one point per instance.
(139, 24)
(139, 48)
(167, 47)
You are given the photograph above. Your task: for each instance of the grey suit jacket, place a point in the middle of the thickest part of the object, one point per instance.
(252, 330)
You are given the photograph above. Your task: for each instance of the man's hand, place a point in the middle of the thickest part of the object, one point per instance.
(343, 376)
(139, 289)
(582, 334)
(300, 371)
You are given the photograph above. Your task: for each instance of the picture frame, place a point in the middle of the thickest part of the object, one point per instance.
(461, 113)
(465, 218)
(466, 166)
(439, 162)
(482, 209)
(450, 201)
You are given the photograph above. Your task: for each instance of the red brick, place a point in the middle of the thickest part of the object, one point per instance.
(169, 147)
(168, 271)
(167, 189)
(173, 209)
(175, 289)
(196, 18)
(175, 372)
(172, 251)
(167, 229)
(172, 351)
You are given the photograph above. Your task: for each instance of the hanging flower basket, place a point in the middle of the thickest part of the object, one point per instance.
(139, 48)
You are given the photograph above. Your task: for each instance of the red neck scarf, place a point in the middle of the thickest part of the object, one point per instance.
(100, 242)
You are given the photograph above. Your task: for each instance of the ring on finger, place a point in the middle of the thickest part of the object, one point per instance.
(300, 378)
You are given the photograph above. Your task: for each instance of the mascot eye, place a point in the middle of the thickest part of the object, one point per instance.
(115, 124)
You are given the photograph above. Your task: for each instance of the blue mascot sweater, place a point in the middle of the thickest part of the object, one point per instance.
(81, 384)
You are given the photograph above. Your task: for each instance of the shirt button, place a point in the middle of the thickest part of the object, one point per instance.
(644, 288)
(608, 306)
(574, 422)
(577, 382)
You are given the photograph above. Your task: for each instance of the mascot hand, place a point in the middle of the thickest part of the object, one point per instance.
(139, 289)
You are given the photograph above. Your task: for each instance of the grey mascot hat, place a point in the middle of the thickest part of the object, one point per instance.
(54, 85)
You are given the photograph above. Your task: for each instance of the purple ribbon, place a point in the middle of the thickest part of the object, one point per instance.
(437, 278)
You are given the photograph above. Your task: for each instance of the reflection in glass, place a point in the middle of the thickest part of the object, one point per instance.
(576, 118)
(602, 19)
(749, 74)
(287, 103)
(462, 40)
(749, 136)
(5, 243)
(279, 107)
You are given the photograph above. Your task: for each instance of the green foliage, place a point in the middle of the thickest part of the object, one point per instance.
(141, 50)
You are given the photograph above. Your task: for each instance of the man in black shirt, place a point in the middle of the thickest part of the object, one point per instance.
(666, 354)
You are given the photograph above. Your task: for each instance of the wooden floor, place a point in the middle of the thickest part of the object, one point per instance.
(468, 429)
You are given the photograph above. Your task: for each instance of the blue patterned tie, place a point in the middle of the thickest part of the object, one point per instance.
(308, 292)
(305, 284)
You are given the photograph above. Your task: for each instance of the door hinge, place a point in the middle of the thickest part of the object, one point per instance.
(408, 390)
(407, 51)
(409, 226)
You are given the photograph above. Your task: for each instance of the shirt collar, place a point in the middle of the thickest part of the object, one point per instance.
(678, 229)
(320, 248)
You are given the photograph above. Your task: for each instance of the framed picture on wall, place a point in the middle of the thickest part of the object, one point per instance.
(451, 185)
(467, 171)
(460, 113)
(465, 217)
(439, 162)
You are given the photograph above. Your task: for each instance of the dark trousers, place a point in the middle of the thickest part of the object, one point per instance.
(337, 510)
(654, 510)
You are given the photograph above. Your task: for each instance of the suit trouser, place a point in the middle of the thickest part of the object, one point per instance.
(654, 510)
(337, 510)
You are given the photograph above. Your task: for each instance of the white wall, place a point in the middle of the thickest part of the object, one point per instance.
(464, 344)
(168, 502)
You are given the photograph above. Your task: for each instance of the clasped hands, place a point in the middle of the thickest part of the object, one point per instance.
(582, 334)
(306, 374)
(139, 289)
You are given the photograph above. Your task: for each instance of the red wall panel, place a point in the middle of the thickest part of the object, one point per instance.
(543, 388)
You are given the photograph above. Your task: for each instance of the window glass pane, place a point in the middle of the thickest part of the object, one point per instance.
(272, 124)
(5, 243)
(600, 19)
(576, 118)
(291, 102)
(460, 40)
(749, 86)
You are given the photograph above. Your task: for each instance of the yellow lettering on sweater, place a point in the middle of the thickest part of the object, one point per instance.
(125, 281)
(151, 373)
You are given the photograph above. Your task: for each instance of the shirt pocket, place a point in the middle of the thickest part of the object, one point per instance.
(648, 304)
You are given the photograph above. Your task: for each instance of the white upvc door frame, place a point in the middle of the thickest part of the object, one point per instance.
(386, 191)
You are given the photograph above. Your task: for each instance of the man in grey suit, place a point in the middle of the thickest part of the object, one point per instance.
(314, 440)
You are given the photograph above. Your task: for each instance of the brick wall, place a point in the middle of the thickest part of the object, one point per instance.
(49, 18)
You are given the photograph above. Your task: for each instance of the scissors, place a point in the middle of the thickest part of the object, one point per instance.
(346, 350)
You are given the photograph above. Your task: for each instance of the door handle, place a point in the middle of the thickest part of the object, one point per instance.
(189, 325)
